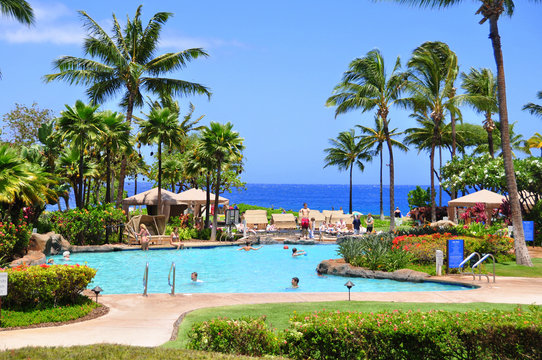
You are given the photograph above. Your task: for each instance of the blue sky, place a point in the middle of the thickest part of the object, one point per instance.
(273, 64)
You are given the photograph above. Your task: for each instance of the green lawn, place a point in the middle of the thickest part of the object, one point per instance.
(106, 352)
(278, 315)
(512, 269)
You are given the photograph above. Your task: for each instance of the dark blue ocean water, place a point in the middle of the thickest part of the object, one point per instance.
(365, 198)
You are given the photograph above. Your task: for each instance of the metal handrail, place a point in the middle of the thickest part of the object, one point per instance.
(468, 259)
(145, 279)
(484, 258)
(169, 278)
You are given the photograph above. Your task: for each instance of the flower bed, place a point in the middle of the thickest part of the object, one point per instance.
(13, 239)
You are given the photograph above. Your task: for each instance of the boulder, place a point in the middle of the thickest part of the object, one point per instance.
(340, 268)
(443, 223)
(38, 242)
(56, 244)
(32, 258)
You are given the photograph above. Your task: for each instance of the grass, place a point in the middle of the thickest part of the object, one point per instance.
(510, 268)
(106, 352)
(278, 315)
(12, 318)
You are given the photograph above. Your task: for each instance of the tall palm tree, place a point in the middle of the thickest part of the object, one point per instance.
(161, 127)
(374, 139)
(481, 94)
(366, 86)
(127, 65)
(345, 152)
(220, 142)
(432, 68)
(533, 108)
(80, 124)
(115, 137)
(492, 10)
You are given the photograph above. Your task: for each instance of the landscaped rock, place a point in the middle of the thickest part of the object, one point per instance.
(443, 223)
(38, 242)
(299, 242)
(266, 240)
(99, 248)
(56, 244)
(340, 268)
(32, 258)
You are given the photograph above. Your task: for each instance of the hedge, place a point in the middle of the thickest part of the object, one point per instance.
(388, 335)
(31, 287)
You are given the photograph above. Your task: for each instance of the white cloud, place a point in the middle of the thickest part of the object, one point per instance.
(183, 42)
(58, 35)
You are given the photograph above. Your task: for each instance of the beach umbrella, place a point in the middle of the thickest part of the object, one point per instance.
(357, 213)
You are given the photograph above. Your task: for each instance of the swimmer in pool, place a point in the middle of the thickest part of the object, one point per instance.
(296, 252)
(66, 255)
(248, 247)
(295, 282)
(194, 277)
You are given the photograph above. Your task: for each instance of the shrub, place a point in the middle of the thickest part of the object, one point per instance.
(44, 224)
(86, 226)
(477, 213)
(46, 285)
(13, 239)
(419, 197)
(415, 335)
(246, 336)
(426, 230)
(182, 221)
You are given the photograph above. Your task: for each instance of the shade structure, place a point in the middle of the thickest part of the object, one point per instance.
(490, 199)
(284, 221)
(150, 199)
(199, 196)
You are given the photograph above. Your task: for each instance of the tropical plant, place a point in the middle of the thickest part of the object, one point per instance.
(374, 138)
(535, 109)
(366, 86)
(419, 198)
(432, 70)
(492, 10)
(81, 125)
(127, 66)
(115, 137)
(481, 94)
(346, 151)
(534, 141)
(161, 127)
(20, 10)
(220, 142)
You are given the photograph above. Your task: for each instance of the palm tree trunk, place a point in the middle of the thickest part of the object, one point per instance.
(79, 197)
(124, 161)
(217, 189)
(440, 176)
(350, 202)
(207, 199)
(454, 146)
(392, 181)
(159, 211)
(522, 254)
(433, 205)
(108, 185)
(381, 201)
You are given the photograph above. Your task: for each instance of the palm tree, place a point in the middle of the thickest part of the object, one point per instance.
(374, 138)
(345, 152)
(115, 136)
(128, 66)
(491, 10)
(432, 69)
(225, 146)
(18, 9)
(481, 94)
(534, 141)
(534, 109)
(80, 124)
(366, 86)
(161, 127)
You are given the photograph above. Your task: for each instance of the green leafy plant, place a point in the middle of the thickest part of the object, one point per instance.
(419, 198)
(44, 286)
(13, 239)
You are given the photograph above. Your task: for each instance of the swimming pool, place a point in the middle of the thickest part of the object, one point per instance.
(227, 270)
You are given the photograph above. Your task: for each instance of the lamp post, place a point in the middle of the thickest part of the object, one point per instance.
(349, 285)
(97, 290)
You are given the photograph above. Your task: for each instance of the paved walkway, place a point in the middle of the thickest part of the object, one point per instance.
(149, 321)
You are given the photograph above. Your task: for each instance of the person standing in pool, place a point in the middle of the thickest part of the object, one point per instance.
(299, 252)
(144, 237)
(305, 222)
(194, 278)
(370, 223)
(248, 246)
(295, 282)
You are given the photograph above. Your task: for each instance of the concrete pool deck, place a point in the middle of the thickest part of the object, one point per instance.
(149, 321)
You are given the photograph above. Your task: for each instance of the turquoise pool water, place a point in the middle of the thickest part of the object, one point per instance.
(226, 270)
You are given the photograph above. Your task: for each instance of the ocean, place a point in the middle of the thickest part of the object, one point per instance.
(365, 198)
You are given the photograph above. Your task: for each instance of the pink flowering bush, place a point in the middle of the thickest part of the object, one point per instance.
(13, 239)
(477, 213)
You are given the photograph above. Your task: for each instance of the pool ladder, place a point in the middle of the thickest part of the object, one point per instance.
(145, 279)
(172, 285)
(481, 259)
